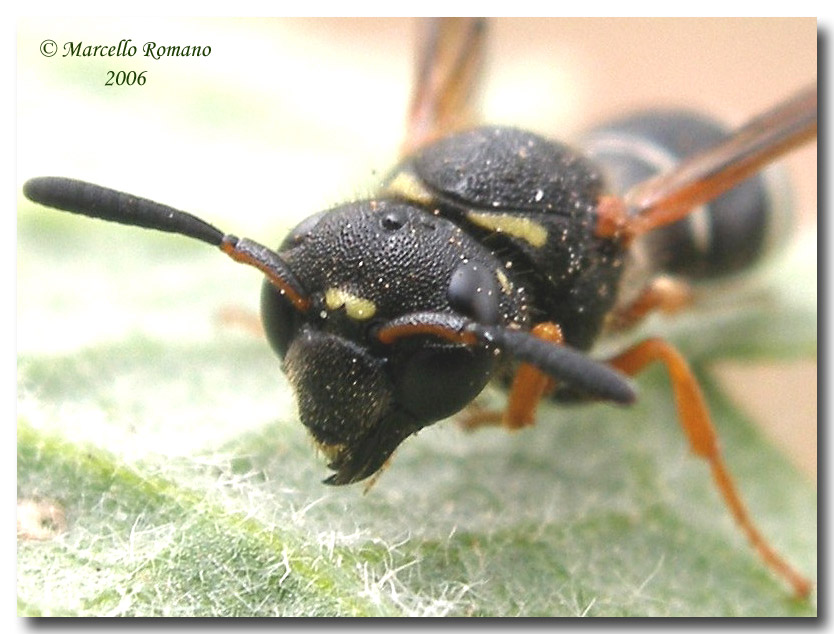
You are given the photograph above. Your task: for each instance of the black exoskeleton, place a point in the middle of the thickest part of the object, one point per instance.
(393, 313)
(532, 202)
(494, 225)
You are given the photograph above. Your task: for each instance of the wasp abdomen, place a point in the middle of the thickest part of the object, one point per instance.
(730, 233)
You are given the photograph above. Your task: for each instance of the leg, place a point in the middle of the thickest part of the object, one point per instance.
(665, 294)
(696, 423)
(529, 386)
(449, 61)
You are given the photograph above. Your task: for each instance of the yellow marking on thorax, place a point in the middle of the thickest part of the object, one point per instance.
(515, 226)
(406, 185)
(356, 308)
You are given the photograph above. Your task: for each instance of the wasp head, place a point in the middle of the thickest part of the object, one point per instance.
(361, 266)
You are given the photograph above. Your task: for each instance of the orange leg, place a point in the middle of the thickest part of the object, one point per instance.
(696, 423)
(664, 294)
(529, 386)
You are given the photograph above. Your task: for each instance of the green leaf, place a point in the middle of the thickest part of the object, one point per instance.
(189, 488)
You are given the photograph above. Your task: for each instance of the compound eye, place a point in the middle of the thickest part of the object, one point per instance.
(280, 319)
(473, 292)
(435, 380)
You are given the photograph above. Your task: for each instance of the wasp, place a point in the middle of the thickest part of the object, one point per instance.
(494, 254)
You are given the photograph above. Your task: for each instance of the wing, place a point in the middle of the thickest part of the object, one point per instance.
(697, 180)
(450, 58)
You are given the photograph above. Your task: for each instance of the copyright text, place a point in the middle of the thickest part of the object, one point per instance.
(125, 49)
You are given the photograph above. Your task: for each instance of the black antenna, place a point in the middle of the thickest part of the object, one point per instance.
(576, 369)
(563, 363)
(95, 201)
(79, 197)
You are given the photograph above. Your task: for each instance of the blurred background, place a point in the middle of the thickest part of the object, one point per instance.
(286, 117)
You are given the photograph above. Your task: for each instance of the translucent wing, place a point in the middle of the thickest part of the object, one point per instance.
(671, 196)
(450, 57)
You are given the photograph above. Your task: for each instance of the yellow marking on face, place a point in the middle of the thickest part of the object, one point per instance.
(406, 185)
(515, 226)
(356, 308)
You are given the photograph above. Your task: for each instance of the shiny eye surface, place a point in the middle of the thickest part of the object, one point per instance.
(280, 319)
(434, 381)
